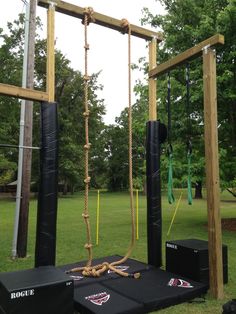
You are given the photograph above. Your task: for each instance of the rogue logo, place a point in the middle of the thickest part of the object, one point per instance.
(22, 294)
(98, 299)
(174, 282)
(172, 246)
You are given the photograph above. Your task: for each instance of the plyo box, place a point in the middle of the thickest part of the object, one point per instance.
(189, 258)
(40, 290)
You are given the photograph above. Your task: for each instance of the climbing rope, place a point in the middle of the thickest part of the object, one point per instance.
(87, 18)
(98, 270)
(189, 143)
(189, 181)
(170, 194)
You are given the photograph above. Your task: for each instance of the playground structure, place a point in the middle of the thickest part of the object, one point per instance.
(45, 251)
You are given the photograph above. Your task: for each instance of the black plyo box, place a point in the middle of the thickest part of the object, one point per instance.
(40, 290)
(189, 258)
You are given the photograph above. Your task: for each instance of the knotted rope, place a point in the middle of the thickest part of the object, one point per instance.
(88, 245)
(98, 270)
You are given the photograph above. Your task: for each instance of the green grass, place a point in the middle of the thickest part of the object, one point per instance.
(190, 222)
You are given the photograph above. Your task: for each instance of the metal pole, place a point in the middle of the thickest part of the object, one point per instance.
(21, 136)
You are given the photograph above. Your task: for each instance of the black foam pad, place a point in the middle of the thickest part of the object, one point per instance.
(157, 289)
(130, 266)
(96, 298)
(35, 291)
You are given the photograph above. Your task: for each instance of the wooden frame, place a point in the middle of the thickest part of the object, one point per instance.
(189, 54)
(51, 53)
(152, 82)
(23, 93)
(211, 150)
(212, 174)
(100, 19)
(78, 12)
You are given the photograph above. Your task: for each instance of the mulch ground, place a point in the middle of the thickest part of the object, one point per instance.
(228, 224)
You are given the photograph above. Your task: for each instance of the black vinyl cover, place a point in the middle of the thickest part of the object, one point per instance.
(45, 250)
(40, 290)
(99, 299)
(156, 289)
(154, 215)
(112, 294)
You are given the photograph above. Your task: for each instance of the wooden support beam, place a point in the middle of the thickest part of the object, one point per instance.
(51, 53)
(212, 174)
(23, 93)
(100, 19)
(189, 54)
(152, 81)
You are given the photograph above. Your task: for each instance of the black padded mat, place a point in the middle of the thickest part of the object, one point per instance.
(130, 266)
(96, 298)
(112, 294)
(157, 289)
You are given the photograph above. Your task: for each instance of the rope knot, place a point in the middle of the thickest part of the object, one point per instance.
(88, 16)
(86, 46)
(87, 180)
(86, 78)
(87, 146)
(86, 113)
(88, 246)
(125, 25)
(135, 275)
(85, 216)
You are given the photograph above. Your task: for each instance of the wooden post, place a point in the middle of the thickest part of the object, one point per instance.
(152, 81)
(212, 174)
(51, 53)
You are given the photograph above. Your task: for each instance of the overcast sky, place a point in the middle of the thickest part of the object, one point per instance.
(108, 48)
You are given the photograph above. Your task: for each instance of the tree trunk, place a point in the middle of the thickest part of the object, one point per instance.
(65, 188)
(198, 190)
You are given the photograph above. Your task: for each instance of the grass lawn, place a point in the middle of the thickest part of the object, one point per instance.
(190, 222)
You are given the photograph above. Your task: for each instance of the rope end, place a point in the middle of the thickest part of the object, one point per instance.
(135, 275)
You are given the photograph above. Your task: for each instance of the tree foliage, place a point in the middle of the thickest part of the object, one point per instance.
(186, 23)
(68, 94)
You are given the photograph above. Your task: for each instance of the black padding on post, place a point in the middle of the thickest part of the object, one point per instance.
(162, 132)
(45, 250)
(154, 216)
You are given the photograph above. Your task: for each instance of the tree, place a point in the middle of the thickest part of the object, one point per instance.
(69, 95)
(186, 23)
(118, 160)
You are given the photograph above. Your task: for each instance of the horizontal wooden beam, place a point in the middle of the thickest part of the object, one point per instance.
(189, 54)
(100, 19)
(23, 93)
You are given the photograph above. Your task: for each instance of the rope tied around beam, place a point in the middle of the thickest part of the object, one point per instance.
(88, 15)
(125, 26)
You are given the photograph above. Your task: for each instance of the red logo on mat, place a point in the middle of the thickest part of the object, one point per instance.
(98, 299)
(175, 282)
(120, 267)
